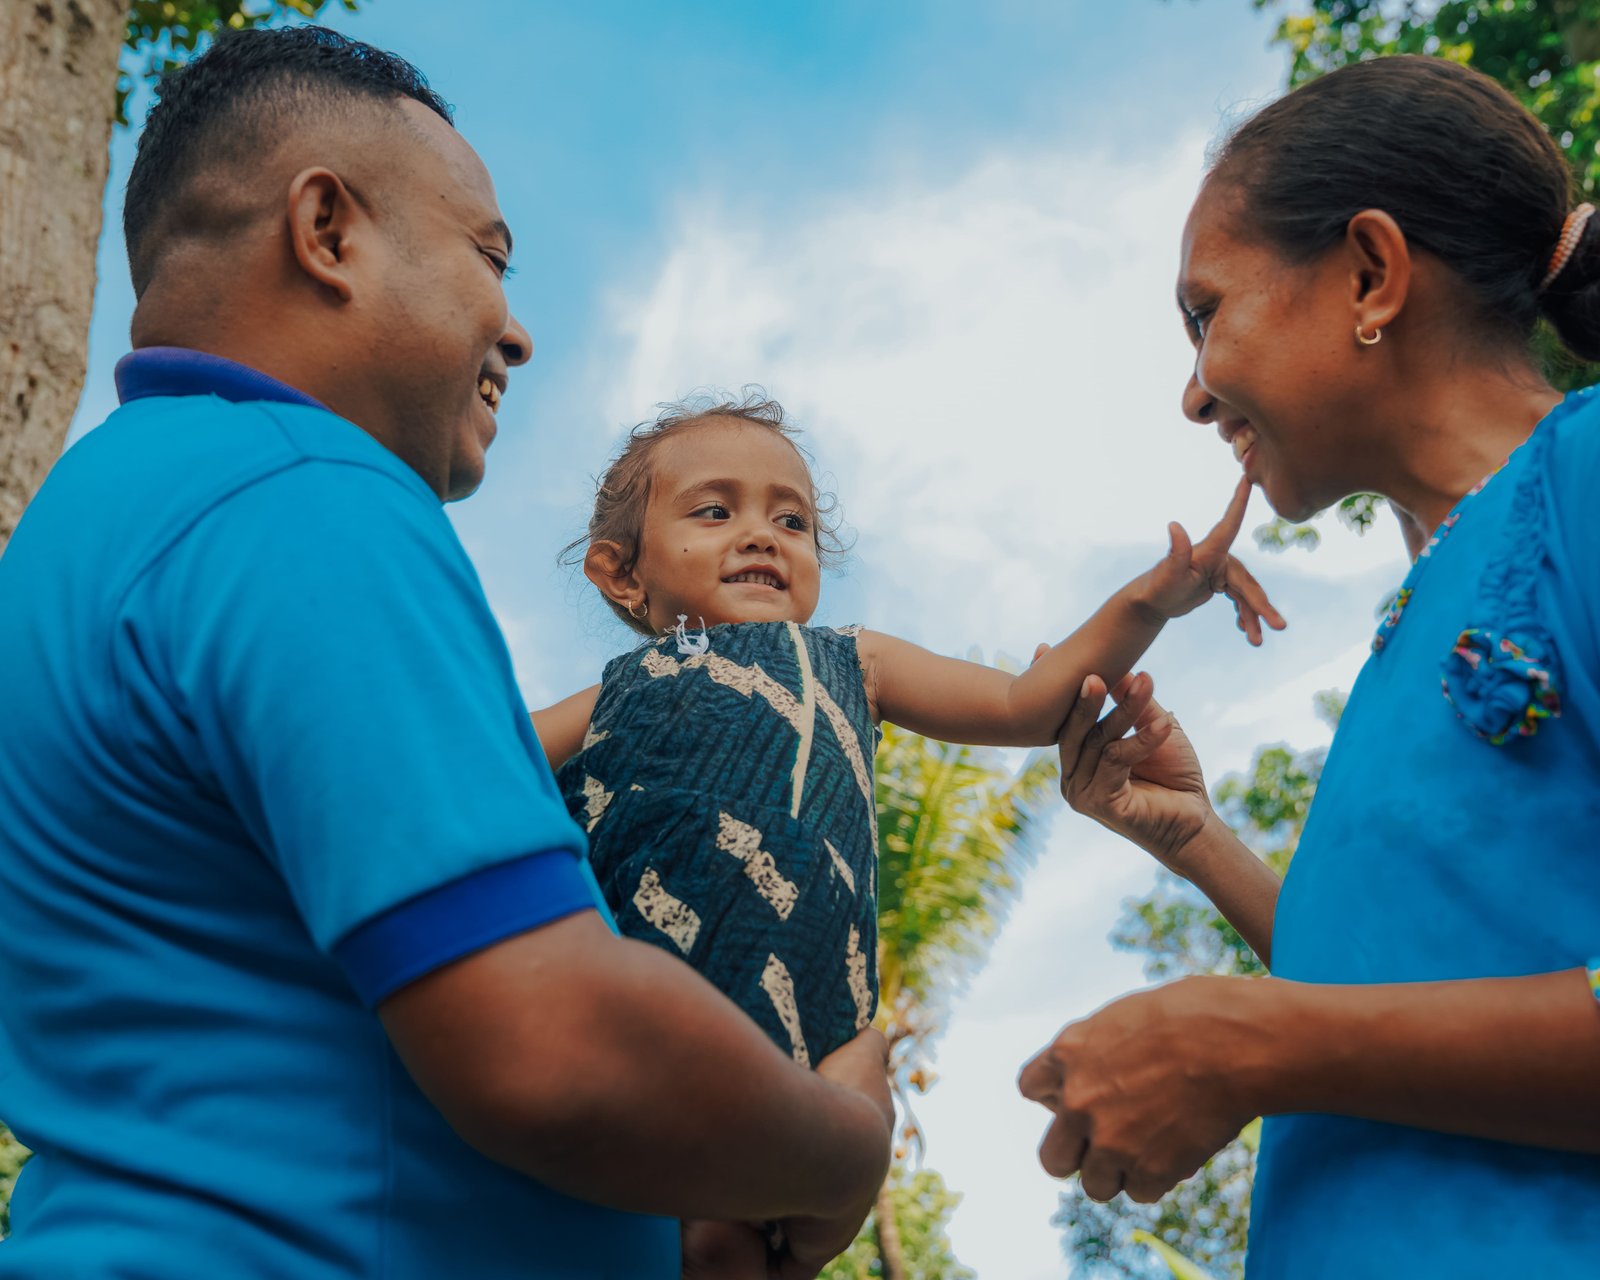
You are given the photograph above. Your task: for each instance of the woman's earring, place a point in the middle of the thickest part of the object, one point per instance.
(1374, 340)
(643, 607)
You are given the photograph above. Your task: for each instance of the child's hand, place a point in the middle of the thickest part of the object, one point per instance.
(1191, 574)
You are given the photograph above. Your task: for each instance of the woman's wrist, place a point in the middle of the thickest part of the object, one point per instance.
(1213, 845)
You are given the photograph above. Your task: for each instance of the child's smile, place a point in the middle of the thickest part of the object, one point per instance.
(730, 531)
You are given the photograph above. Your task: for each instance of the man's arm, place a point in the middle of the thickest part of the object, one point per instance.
(612, 1072)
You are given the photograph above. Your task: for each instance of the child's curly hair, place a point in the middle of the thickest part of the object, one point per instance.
(622, 491)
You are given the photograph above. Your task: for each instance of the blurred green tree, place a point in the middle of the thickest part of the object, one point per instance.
(956, 829)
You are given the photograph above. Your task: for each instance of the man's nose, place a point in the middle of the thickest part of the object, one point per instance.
(1199, 405)
(515, 344)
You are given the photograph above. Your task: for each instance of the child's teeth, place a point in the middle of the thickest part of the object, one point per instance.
(1242, 443)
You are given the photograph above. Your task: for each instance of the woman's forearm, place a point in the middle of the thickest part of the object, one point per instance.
(1242, 887)
(1512, 1059)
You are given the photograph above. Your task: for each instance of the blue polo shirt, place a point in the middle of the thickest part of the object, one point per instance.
(1455, 834)
(263, 762)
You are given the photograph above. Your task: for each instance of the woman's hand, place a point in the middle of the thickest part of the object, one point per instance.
(1147, 787)
(1191, 574)
(1143, 1092)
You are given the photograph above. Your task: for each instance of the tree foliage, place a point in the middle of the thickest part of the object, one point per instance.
(922, 1208)
(13, 1155)
(956, 830)
(163, 33)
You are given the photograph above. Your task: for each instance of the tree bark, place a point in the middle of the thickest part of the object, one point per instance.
(890, 1251)
(58, 77)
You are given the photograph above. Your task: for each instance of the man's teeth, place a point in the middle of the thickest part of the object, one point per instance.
(766, 579)
(1242, 443)
(490, 393)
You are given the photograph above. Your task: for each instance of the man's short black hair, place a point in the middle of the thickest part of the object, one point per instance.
(231, 103)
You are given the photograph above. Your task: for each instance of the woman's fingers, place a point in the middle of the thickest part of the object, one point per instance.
(1123, 718)
(1080, 723)
(1101, 1174)
(1120, 757)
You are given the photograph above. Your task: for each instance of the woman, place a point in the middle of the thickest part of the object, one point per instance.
(1361, 275)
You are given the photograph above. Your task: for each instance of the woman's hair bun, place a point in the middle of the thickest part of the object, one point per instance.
(1571, 302)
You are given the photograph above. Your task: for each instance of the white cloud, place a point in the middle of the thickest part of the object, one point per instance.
(991, 369)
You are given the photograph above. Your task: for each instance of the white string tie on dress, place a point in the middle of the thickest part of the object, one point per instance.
(691, 646)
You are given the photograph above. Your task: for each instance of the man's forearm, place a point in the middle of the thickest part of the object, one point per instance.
(631, 1081)
(1513, 1059)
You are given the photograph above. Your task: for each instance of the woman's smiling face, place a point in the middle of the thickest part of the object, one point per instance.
(1277, 368)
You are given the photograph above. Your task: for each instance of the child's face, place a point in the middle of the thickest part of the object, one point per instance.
(730, 533)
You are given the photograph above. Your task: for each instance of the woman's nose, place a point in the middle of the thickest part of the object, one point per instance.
(1199, 405)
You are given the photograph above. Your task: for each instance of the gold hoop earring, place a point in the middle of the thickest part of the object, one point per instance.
(1374, 340)
(643, 606)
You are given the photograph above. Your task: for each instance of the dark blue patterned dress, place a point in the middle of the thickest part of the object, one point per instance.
(729, 802)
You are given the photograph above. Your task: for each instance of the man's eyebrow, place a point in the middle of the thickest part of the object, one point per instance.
(498, 228)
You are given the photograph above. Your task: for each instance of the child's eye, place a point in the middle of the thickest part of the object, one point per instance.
(795, 521)
(1195, 322)
(712, 511)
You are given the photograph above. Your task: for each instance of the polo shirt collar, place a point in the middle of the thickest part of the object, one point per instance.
(178, 371)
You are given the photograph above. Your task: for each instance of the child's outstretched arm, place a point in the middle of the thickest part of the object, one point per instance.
(958, 701)
(561, 727)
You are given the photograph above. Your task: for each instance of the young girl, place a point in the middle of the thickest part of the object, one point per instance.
(723, 768)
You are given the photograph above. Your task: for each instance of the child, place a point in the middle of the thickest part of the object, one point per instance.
(723, 768)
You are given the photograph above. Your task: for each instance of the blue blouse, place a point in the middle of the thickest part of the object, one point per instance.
(1455, 834)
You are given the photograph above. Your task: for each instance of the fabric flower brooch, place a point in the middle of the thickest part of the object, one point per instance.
(1503, 680)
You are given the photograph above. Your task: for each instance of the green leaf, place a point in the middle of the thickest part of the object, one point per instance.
(1181, 1267)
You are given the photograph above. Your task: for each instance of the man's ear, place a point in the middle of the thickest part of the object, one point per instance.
(1380, 268)
(603, 566)
(326, 222)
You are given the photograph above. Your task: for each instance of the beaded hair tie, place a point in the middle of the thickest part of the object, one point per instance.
(1571, 233)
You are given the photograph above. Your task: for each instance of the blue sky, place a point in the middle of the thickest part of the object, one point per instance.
(944, 235)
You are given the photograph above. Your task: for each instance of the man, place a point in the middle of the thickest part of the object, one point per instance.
(265, 772)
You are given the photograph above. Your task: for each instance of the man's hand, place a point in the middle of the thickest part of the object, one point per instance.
(1191, 574)
(724, 1251)
(1143, 1092)
(811, 1243)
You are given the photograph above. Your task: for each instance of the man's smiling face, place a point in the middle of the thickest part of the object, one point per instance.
(446, 332)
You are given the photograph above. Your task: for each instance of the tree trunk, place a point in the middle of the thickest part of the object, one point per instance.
(58, 77)
(890, 1251)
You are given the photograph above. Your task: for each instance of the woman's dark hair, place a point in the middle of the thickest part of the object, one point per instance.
(623, 491)
(228, 106)
(1464, 169)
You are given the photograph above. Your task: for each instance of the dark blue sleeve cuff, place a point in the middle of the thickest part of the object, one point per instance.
(456, 919)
